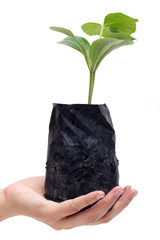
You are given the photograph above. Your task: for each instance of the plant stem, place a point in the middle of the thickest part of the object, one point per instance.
(91, 85)
(101, 32)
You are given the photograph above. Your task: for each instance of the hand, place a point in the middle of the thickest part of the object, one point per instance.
(26, 197)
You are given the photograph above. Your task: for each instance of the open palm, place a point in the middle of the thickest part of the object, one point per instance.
(26, 197)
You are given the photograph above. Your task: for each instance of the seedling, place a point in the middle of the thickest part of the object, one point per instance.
(114, 33)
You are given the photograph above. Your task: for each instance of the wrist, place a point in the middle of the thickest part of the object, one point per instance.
(6, 210)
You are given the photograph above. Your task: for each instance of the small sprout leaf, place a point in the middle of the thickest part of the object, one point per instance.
(62, 30)
(119, 23)
(102, 47)
(80, 44)
(86, 49)
(71, 42)
(92, 28)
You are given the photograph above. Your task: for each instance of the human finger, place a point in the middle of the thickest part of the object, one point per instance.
(120, 205)
(96, 211)
(72, 206)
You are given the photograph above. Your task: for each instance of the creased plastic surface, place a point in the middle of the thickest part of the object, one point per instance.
(81, 151)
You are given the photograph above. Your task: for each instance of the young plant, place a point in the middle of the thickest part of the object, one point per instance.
(115, 32)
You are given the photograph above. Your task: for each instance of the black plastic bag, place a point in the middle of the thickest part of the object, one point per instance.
(81, 151)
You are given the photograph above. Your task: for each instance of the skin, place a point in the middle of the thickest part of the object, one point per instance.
(26, 197)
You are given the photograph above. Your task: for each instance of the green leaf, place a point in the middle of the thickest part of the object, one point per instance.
(119, 23)
(92, 28)
(113, 23)
(62, 30)
(120, 36)
(86, 49)
(80, 44)
(76, 43)
(102, 47)
(71, 42)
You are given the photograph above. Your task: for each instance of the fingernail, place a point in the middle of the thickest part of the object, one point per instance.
(118, 192)
(100, 195)
(128, 187)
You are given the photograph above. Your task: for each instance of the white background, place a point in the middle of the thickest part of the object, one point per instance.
(35, 72)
